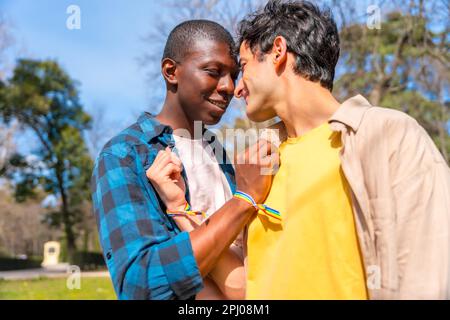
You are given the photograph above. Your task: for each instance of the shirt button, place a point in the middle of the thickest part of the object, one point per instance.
(108, 255)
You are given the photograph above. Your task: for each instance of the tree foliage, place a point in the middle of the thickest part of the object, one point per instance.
(44, 99)
(403, 65)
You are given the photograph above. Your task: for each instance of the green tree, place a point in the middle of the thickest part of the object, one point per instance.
(403, 64)
(44, 99)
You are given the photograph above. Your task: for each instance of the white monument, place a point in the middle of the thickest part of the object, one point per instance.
(52, 250)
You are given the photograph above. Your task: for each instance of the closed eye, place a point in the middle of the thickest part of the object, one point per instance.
(213, 72)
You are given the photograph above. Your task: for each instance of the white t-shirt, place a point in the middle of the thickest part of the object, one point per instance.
(208, 186)
(208, 191)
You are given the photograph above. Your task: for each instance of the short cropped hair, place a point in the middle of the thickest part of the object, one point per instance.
(184, 36)
(311, 35)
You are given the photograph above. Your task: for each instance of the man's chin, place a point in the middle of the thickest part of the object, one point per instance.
(212, 120)
(258, 116)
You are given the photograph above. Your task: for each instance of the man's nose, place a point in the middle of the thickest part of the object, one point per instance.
(239, 91)
(226, 85)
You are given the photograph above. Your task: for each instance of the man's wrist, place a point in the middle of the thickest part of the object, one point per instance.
(243, 205)
(176, 208)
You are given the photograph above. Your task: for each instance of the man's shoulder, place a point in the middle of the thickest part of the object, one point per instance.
(389, 114)
(401, 131)
(389, 119)
(123, 144)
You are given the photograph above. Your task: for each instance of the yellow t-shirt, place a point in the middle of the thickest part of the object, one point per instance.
(313, 253)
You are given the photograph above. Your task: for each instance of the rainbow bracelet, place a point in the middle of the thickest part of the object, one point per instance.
(186, 211)
(265, 209)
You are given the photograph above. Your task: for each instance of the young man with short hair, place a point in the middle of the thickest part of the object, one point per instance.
(147, 254)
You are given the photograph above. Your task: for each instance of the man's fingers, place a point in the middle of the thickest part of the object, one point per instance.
(170, 169)
(265, 148)
(270, 160)
(151, 170)
(158, 156)
(255, 147)
(270, 164)
(174, 158)
(250, 155)
(163, 160)
(262, 149)
(255, 153)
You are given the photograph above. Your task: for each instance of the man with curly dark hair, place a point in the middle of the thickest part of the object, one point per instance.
(363, 192)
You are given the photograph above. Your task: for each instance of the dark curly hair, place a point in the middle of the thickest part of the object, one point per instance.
(311, 34)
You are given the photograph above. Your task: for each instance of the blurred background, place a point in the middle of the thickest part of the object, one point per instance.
(75, 73)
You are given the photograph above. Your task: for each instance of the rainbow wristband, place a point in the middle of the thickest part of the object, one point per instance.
(261, 207)
(186, 211)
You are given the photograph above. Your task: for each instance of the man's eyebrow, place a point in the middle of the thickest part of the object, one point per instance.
(218, 62)
(222, 65)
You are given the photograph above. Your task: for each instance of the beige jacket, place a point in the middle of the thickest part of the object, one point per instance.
(401, 201)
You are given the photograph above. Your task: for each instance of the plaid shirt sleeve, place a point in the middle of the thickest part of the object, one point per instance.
(145, 259)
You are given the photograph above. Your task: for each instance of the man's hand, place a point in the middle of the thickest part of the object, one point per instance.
(253, 169)
(165, 176)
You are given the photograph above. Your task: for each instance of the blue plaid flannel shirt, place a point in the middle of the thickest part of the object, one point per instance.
(147, 255)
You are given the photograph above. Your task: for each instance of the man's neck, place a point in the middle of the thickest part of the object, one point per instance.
(173, 115)
(305, 109)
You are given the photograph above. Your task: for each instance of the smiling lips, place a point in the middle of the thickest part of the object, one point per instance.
(221, 104)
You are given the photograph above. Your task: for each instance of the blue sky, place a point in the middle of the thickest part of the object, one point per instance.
(101, 55)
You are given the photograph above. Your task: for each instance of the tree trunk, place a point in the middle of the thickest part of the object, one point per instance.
(375, 95)
(65, 212)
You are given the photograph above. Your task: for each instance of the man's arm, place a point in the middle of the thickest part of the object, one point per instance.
(144, 259)
(228, 274)
(145, 262)
(213, 237)
(421, 188)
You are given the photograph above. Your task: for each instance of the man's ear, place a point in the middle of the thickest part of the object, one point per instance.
(279, 53)
(169, 71)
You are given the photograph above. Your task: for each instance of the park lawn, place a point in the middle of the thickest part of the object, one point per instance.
(55, 289)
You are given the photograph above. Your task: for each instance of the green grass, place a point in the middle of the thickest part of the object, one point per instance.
(56, 289)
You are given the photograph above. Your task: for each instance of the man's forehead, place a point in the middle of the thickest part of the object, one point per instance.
(245, 52)
(209, 48)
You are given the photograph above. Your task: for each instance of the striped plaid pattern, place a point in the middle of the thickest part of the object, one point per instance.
(147, 255)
